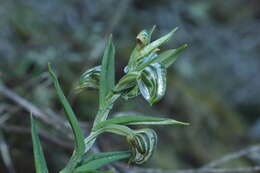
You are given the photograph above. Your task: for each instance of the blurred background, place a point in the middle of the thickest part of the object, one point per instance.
(214, 84)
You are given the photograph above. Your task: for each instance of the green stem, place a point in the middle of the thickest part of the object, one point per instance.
(115, 128)
(101, 116)
(103, 112)
(71, 165)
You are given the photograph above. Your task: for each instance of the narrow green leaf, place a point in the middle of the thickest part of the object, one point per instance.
(151, 32)
(138, 120)
(39, 160)
(126, 82)
(171, 57)
(88, 158)
(131, 62)
(107, 79)
(155, 44)
(98, 160)
(79, 139)
(166, 58)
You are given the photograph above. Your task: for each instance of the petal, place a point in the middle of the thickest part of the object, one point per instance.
(143, 144)
(90, 78)
(152, 82)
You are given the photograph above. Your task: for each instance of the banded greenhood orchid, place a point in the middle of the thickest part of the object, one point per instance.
(90, 78)
(150, 65)
(143, 144)
(145, 75)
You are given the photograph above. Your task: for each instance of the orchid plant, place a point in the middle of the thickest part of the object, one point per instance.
(145, 75)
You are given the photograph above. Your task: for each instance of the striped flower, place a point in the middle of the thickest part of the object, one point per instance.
(143, 145)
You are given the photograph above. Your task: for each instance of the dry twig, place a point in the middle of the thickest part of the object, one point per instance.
(23, 130)
(232, 156)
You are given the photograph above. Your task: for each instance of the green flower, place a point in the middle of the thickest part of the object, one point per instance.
(145, 72)
(150, 67)
(90, 78)
(143, 145)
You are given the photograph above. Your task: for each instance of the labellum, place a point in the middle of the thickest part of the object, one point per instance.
(143, 145)
(152, 82)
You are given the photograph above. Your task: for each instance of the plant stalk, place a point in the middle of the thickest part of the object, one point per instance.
(101, 116)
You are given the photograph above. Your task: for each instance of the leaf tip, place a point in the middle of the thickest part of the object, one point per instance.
(110, 37)
(185, 46)
(185, 124)
(49, 66)
(31, 118)
(173, 31)
(152, 30)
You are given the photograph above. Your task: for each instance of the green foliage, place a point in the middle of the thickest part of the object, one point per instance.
(79, 148)
(78, 136)
(98, 160)
(107, 79)
(40, 163)
(145, 75)
(143, 144)
(155, 44)
(152, 82)
(138, 120)
(170, 56)
(166, 58)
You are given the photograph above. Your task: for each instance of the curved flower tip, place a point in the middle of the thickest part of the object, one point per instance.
(152, 83)
(90, 78)
(144, 37)
(143, 145)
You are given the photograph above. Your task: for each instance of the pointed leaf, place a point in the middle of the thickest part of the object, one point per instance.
(151, 32)
(132, 59)
(155, 44)
(170, 57)
(166, 58)
(107, 79)
(39, 160)
(99, 160)
(126, 82)
(138, 120)
(96, 156)
(70, 115)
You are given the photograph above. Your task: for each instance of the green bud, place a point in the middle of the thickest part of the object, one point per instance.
(152, 82)
(143, 145)
(90, 78)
